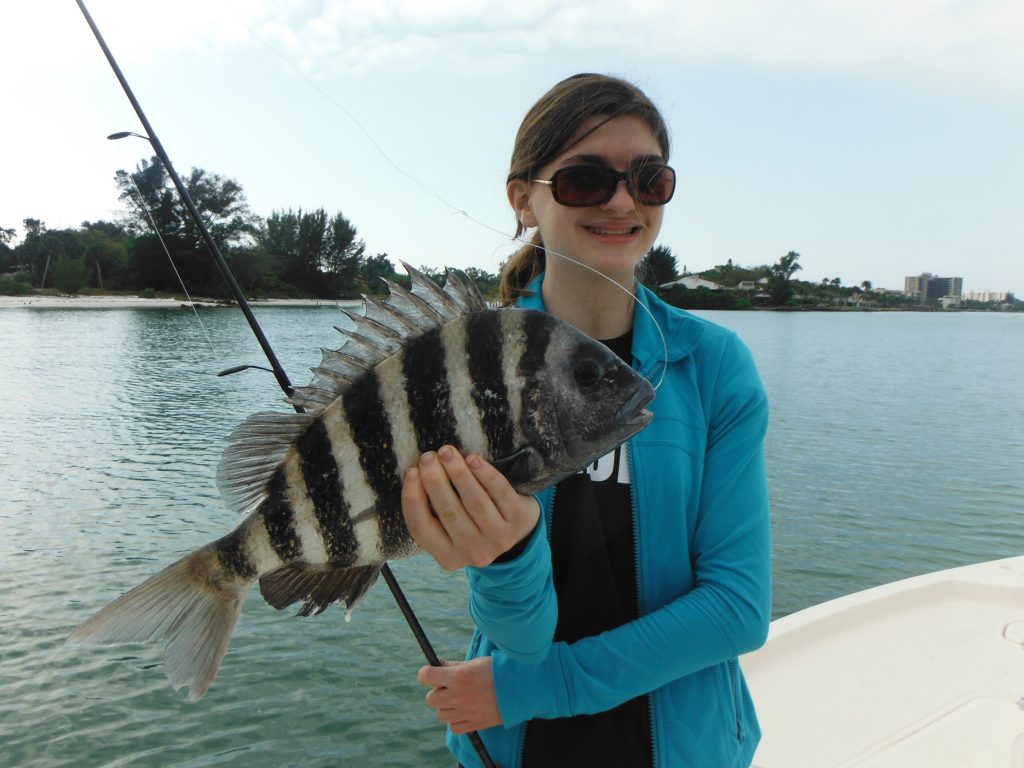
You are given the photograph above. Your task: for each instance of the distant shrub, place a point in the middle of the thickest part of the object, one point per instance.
(12, 287)
(744, 304)
(700, 298)
(147, 293)
(69, 275)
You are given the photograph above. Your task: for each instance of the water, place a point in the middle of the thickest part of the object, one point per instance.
(896, 447)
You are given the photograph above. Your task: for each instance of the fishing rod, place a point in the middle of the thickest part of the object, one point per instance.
(278, 371)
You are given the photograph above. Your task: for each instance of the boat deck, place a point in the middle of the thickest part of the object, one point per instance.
(923, 672)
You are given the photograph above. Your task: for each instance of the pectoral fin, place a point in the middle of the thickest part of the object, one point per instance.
(520, 468)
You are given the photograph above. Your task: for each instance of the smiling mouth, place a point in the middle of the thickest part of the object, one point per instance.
(620, 232)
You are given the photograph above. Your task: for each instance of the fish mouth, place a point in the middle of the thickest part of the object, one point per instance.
(633, 415)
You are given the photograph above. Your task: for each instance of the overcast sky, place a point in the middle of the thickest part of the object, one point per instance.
(877, 138)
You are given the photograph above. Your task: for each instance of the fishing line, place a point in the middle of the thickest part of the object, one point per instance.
(149, 217)
(451, 206)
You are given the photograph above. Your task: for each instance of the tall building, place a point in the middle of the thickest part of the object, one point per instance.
(927, 287)
(986, 295)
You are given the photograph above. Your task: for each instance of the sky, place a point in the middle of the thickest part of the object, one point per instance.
(878, 139)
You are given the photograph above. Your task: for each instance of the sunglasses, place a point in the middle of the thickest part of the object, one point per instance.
(581, 186)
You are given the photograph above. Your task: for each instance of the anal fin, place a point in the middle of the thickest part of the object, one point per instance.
(317, 586)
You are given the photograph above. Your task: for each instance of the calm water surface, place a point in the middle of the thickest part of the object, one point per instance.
(896, 447)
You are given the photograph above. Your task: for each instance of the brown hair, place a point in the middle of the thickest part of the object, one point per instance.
(545, 133)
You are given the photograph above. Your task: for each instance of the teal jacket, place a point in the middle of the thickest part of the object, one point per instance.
(701, 517)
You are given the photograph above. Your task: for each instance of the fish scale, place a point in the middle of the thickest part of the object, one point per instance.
(320, 491)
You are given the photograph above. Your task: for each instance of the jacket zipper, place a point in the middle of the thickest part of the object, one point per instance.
(734, 680)
(548, 511)
(634, 505)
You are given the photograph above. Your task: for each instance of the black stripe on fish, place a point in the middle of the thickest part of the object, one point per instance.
(278, 519)
(394, 536)
(323, 485)
(537, 328)
(371, 433)
(427, 390)
(233, 556)
(484, 351)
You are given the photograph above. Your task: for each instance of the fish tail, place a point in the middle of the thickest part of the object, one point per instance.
(192, 605)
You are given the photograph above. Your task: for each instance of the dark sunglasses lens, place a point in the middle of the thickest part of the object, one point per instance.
(584, 185)
(654, 185)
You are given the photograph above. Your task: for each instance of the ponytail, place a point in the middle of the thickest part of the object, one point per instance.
(520, 269)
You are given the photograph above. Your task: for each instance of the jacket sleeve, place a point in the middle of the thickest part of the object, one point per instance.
(727, 611)
(514, 604)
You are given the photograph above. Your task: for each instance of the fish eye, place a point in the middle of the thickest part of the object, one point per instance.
(587, 372)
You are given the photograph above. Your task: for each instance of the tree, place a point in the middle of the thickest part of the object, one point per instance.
(659, 266)
(344, 257)
(224, 209)
(150, 194)
(36, 251)
(69, 274)
(374, 269)
(779, 288)
(489, 285)
(866, 286)
(7, 259)
(105, 252)
(317, 254)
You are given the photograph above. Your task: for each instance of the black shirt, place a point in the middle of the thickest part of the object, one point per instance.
(593, 557)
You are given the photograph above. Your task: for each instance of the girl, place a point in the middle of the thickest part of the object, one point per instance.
(610, 610)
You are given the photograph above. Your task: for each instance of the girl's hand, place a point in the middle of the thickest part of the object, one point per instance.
(463, 511)
(462, 693)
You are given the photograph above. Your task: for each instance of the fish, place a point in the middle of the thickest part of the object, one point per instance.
(320, 489)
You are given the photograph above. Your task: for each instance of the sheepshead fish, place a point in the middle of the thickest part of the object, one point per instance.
(320, 490)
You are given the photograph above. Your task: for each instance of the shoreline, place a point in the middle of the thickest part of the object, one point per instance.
(36, 301)
(137, 302)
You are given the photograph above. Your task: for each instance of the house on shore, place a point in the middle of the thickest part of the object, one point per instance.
(691, 282)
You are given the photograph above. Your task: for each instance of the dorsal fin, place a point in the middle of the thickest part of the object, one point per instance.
(386, 314)
(383, 328)
(432, 294)
(412, 306)
(464, 292)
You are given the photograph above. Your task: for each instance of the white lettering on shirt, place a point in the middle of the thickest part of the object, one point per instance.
(602, 469)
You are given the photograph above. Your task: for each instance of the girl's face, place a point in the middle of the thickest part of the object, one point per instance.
(613, 237)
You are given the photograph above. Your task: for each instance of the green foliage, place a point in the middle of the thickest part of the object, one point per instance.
(318, 254)
(489, 285)
(147, 293)
(10, 286)
(149, 194)
(659, 266)
(779, 288)
(69, 274)
(701, 298)
(730, 275)
(375, 270)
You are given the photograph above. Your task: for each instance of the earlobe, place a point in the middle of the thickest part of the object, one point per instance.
(518, 192)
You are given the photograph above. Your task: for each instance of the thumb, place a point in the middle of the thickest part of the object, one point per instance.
(437, 676)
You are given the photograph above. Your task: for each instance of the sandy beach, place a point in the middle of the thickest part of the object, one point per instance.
(135, 302)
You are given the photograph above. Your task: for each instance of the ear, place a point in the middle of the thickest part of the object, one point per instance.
(518, 191)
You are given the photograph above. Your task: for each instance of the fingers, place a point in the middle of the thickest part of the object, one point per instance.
(462, 694)
(425, 529)
(462, 506)
(462, 510)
